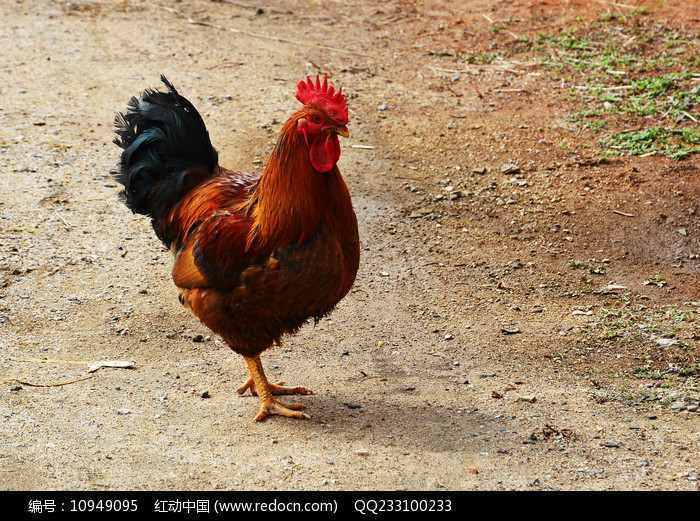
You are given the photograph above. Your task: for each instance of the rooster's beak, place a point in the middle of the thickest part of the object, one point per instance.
(341, 131)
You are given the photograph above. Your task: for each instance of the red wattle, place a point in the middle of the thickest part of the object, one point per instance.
(324, 152)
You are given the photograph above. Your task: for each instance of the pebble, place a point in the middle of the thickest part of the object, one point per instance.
(510, 169)
(204, 394)
(123, 411)
(510, 331)
(611, 444)
(383, 106)
(678, 406)
(666, 341)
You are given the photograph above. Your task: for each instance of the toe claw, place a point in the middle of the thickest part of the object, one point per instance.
(275, 407)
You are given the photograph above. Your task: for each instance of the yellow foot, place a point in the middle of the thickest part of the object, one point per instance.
(276, 389)
(291, 410)
(258, 385)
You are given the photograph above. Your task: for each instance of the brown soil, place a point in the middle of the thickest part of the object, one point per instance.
(479, 348)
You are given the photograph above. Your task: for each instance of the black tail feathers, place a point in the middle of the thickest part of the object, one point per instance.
(167, 151)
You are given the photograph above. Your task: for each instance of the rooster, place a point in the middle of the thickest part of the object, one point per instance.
(254, 257)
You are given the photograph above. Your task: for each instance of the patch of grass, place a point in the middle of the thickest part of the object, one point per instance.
(651, 372)
(478, 58)
(587, 120)
(577, 263)
(619, 65)
(677, 143)
(645, 325)
(15, 229)
(648, 372)
(656, 280)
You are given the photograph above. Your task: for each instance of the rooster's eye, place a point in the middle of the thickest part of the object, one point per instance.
(316, 118)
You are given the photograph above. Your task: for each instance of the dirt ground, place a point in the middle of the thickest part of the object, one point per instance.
(526, 315)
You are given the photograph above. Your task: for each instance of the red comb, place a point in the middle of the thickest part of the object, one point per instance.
(323, 95)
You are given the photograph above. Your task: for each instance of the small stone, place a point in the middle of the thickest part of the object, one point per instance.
(666, 341)
(510, 331)
(383, 107)
(362, 453)
(614, 287)
(510, 169)
(529, 398)
(678, 406)
(123, 411)
(479, 170)
(611, 444)
(197, 338)
(204, 394)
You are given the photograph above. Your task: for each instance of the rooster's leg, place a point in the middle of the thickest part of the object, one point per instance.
(268, 404)
(275, 389)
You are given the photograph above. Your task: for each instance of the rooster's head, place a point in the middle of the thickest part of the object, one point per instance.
(323, 119)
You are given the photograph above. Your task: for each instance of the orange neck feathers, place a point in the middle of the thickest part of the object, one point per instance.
(292, 199)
